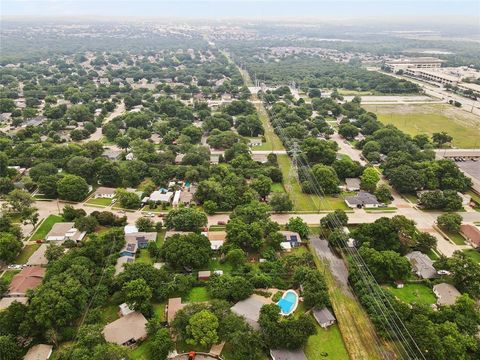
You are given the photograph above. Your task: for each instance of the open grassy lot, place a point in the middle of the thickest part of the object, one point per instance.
(277, 187)
(302, 201)
(429, 118)
(8, 275)
(414, 293)
(473, 254)
(26, 252)
(326, 344)
(356, 329)
(99, 201)
(46, 226)
(197, 294)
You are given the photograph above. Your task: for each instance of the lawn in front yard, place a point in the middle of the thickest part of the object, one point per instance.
(8, 275)
(414, 293)
(100, 201)
(302, 201)
(26, 252)
(197, 294)
(455, 237)
(326, 344)
(45, 227)
(473, 254)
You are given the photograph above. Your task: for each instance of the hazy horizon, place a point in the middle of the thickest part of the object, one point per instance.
(406, 10)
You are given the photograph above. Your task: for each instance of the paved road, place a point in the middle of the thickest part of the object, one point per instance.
(347, 149)
(97, 135)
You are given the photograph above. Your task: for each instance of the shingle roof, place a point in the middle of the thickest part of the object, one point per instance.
(446, 294)
(127, 328)
(39, 352)
(362, 198)
(28, 278)
(288, 354)
(323, 316)
(422, 264)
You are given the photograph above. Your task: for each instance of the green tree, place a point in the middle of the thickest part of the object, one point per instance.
(145, 224)
(9, 349)
(425, 242)
(190, 251)
(210, 207)
(236, 257)
(54, 252)
(326, 178)
(202, 329)
(262, 184)
(10, 246)
(20, 200)
(230, 288)
(138, 295)
(73, 188)
(86, 223)
(161, 344)
(348, 131)
(298, 225)
(186, 219)
(369, 179)
(127, 199)
(333, 220)
(383, 194)
(450, 222)
(280, 202)
(441, 138)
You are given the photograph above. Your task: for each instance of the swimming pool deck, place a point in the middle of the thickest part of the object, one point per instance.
(295, 304)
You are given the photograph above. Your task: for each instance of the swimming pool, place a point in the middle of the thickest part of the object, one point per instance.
(288, 303)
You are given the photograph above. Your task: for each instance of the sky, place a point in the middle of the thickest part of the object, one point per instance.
(242, 8)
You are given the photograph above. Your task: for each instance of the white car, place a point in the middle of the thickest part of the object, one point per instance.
(443, 272)
(15, 267)
(150, 214)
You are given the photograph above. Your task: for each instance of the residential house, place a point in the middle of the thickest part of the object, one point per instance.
(39, 352)
(130, 229)
(176, 198)
(261, 158)
(471, 233)
(65, 231)
(104, 193)
(38, 257)
(27, 279)
(124, 310)
(127, 330)
(216, 238)
(112, 154)
(129, 249)
(173, 306)
(121, 261)
(141, 238)
(179, 158)
(422, 265)
(283, 354)
(249, 309)
(7, 301)
(161, 197)
(352, 184)
(324, 317)
(292, 237)
(362, 199)
(446, 294)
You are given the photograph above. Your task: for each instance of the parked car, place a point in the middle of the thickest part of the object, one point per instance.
(39, 241)
(221, 222)
(15, 267)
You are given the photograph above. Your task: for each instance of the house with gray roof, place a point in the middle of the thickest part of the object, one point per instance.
(446, 294)
(422, 265)
(352, 184)
(249, 309)
(282, 354)
(324, 317)
(362, 199)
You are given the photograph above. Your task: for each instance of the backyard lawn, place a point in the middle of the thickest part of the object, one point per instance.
(326, 344)
(215, 264)
(45, 227)
(473, 254)
(144, 257)
(429, 118)
(277, 187)
(414, 293)
(302, 201)
(197, 294)
(26, 252)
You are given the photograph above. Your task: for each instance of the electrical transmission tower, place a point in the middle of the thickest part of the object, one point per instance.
(293, 172)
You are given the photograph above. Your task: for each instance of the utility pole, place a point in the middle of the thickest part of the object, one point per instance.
(293, 172)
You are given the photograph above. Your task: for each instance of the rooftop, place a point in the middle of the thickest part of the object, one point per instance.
(38, 257)
(127, 329)
(39, 352)
(174, 305)
(28, 278)
(446, 294)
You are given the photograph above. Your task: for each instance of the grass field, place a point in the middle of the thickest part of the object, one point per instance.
(356, 329)
(277, 187)
(45, 227)
(326, 344)
(144, 257)
(455, 237)
(302, 201)
(414, 293)
(26, 252)
(473, 254)
(429, 118)
(99, 201)
(197, 294)
(8, 275)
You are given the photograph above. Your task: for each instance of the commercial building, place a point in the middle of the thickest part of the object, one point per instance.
(415, 63)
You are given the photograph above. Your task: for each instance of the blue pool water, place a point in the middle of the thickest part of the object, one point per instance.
(187, 184)
(287, 302)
